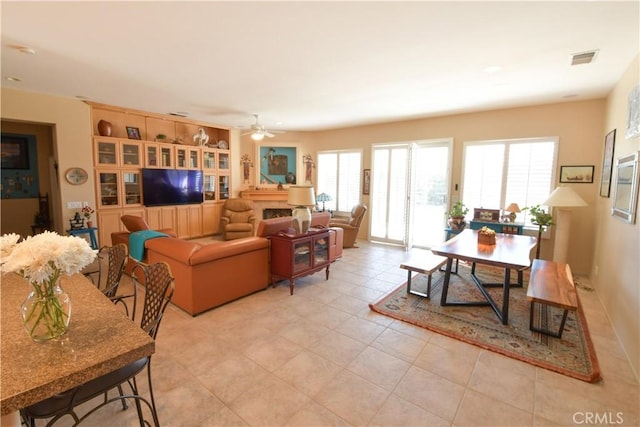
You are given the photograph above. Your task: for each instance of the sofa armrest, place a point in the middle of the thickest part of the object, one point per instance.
(120, 237)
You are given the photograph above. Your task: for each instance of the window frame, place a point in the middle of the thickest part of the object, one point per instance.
(505, 168)
(335, 193)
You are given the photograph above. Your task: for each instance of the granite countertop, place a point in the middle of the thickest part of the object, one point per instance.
(100, 338)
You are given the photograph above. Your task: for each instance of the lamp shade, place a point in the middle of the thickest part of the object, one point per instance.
(301, 196)
(513, 207)
(323, 197)
(564, 197)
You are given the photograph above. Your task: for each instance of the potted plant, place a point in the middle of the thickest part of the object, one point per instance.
(456, 216)
(542, 219)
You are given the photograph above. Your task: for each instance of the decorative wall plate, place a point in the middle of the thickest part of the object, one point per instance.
(223, 144)
(76, 176)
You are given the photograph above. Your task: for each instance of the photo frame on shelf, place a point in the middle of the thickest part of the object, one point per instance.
(607, 164)
(278, 164)
(366, 182)
(133, 133)
(625, 196)
(576, 174)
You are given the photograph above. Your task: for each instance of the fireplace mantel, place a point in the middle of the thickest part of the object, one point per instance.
(265, 195)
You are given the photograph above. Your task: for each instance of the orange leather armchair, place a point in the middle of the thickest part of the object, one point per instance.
(350, 225)
(237, 219)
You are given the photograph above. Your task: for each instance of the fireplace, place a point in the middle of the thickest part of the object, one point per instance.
(269, 213)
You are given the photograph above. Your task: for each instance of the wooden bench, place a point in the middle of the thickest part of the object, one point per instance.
(551, 283)
(426, 265)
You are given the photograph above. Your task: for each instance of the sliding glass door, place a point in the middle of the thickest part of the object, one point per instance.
(410, 184)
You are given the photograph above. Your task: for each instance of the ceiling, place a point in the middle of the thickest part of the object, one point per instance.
(317, 65)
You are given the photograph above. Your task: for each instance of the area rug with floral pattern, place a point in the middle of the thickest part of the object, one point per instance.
(572, 355)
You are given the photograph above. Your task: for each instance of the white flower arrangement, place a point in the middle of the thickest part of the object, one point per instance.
(43, 256)
(42, 259)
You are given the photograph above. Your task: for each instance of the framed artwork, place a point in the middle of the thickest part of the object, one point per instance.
(19, 168)
(14, 152)
(133, 133)
(633, 118)
(366, 182)
(607, 164)
(625, 196)
(576, 174)
(277, 164)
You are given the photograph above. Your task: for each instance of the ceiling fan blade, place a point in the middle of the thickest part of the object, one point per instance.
(267, 133)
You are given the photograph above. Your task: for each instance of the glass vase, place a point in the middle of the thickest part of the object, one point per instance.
(46, 312)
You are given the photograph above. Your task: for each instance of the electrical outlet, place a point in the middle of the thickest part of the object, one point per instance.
(74, 205)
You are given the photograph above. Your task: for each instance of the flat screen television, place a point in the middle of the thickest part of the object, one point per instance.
(161, 187)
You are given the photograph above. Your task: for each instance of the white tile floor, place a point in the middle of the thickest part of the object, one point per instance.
(321, 357)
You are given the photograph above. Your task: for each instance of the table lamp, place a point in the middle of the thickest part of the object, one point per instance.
(563, 198)
(513, 208)
(301, 197)
(323, 197)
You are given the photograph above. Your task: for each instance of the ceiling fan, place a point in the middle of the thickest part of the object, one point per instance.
(258, 131)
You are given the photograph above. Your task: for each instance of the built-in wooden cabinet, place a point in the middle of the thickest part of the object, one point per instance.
(166, 142)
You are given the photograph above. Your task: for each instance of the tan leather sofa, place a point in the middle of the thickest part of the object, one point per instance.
(133, 223)
(267, 227)
(350, 225)
(211, 275)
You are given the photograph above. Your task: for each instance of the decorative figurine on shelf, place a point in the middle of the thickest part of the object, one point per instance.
(201, 138)
(246, 163)
(76, 222)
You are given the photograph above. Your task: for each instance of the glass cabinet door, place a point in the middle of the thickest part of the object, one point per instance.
(151, 155)
(131, 154)
(194, 158)
(223, 187)
(132, 188)
(223, 161)
(106, 153)
(301, 256)
(208, 159)
(108, 189)
(181, 158)
(166, 157)
(320, 250)
(209, 187)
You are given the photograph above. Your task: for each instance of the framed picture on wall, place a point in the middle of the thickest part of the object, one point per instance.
(607, 164)
(576, 174)
(14, 152)
(366, 182)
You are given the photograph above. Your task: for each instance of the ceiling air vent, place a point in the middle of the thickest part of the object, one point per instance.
(583, 57)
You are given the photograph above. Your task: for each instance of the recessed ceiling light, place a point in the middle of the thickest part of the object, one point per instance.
(13, 79)
(179, 113)
(571, 95)
(27, 50)
(492, 69)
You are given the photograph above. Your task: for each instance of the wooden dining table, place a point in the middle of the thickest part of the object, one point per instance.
(511, 251)
(100, 339)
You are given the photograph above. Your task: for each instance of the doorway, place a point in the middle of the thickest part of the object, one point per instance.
(409, 192)
(19, 214)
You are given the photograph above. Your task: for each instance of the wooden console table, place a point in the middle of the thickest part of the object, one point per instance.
(298, 255)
